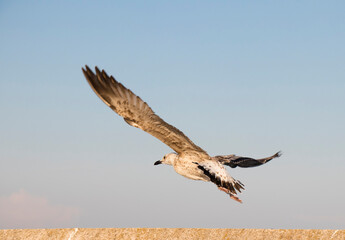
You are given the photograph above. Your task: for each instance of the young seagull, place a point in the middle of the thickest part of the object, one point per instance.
(189, 160)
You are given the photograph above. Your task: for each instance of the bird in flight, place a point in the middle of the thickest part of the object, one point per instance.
(188, 160)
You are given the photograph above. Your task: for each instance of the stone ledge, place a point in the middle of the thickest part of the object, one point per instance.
(168, 233)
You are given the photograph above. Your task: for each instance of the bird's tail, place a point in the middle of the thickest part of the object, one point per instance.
(236, 184)
(223, 181)
(231, 187)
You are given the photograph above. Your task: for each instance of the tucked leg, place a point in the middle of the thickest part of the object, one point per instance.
(235, 198)
(232, 196)
(224, 190)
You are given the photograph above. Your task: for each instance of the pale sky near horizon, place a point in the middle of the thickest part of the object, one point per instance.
(248, 78)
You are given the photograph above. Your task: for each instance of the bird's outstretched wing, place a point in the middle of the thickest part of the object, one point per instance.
(136, 112)
(244, 162)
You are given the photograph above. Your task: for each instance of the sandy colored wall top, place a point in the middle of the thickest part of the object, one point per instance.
(167, 233)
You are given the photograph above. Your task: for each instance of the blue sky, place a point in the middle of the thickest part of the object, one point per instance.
(249, 78)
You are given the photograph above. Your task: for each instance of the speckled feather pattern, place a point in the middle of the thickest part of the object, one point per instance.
(190, 160)
(136, 112)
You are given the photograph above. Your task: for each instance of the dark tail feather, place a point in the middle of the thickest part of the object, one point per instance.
(238, 185)
(232, 186)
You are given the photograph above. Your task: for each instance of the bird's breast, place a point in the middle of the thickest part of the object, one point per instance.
(186, 167)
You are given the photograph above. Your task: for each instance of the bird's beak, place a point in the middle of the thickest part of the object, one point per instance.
(158, 162)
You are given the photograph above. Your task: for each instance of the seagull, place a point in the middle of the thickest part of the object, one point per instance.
(188, 159)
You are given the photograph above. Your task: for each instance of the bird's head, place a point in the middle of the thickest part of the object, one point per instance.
(167, 159)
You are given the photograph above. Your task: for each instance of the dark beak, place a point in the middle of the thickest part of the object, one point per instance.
(158, 162)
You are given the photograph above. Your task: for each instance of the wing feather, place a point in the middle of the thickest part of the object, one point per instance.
(244, 162)
(136, 112)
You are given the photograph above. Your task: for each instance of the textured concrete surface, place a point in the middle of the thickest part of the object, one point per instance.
(168, 233)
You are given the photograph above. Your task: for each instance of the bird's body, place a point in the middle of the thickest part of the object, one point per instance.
(196, 166)
(187, 164)
(189, 160)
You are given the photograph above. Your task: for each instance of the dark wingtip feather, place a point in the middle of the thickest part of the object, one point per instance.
(105, 75)
(87, 69)
(265, 160)
(278, 154)
(87, 72)
(98, 72)
(82, 68)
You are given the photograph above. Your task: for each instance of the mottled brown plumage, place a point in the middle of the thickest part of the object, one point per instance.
(136, 112)
(190, 160)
